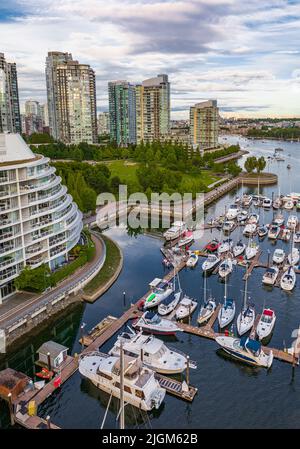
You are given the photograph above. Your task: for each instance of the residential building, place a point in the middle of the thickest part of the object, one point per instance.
(204, 125)
(103, 123)
(39, 222)
(122, 115)
(71, 93)
(10, 118)
(32, 120)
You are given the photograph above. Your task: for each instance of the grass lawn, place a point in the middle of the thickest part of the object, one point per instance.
(110, 266)
(126, 170)
(206, 176)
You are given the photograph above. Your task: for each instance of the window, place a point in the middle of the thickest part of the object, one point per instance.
(139, 394)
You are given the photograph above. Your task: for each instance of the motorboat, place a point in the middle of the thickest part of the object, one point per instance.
(270, 276)
(250, 229)
(246, 200)
(187, 239)
(152, 323)
(141, 389)
(266, 324)
(239, 248)
(251, 250)
(228, 226)
(294, 256)
(262, 231)
(278, 219)
(213, 246)
(298, 205)
(207, 308)
(289, 204)
(242, 216)
(292, 222)
(267, 203)
(237, 200)
(232, 212)
(246, 350)
(210, 263)
(185, 307)
(297, 237)
(253, 219)
(160, 290)
(153, 352)
(225, 246)
(274, 231)
(175, 231)
(246, 317)
(192, 260)
(278, 256)
(225, 267)
(257, 200)
(288, 279)
(277, 203)
(286, 234)
(170, 303)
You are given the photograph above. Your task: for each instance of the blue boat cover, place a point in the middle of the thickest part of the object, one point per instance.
(228, 303)
(149, 315)
(169, 299)
(253, 345)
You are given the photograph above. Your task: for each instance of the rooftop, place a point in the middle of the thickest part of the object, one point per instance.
(52, 347)
(13, 148)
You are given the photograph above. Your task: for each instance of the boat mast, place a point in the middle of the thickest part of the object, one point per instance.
(245, 293)
(122, 416)
(204, 287)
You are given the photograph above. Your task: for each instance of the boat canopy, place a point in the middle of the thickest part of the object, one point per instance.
(268, 312)
(151, 316)
(169, 299)
(253, 345)
(228, 303)
(271, 270)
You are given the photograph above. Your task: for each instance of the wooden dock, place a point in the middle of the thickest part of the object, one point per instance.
(176, 388)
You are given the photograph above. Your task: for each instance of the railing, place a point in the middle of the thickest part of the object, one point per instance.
(12, 272)
(6, 235)
(3, 179)
(7, 262)
(58, 240)
(57, 250)
(32, 250)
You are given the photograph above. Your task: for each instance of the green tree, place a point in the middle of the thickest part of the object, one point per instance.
(35, 280)
(250, 164)
(260, 164)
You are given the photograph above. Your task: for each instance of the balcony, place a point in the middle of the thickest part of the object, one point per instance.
(34, 249)
(55, 240)
(6, 235)
(3, 179)
(58, 250)
(5, 274)
(7, 261)
(35, 261)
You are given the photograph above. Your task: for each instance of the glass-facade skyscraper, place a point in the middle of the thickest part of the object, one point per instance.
(10, 118)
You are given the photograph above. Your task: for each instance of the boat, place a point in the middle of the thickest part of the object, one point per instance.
(289, 204)
(297, 237)
(257, 200)
(232, 212)
(270, 276)
(242, 216)
(153, 353)
(226, 267)
(288, 280)
(249, 229)
(278, 219)
(210, 263)
(213, 246)
(286, 234)
(169, 304)
(228, 226)
(153, 324)
(294, 256)
(141, 389)
(278, 256)
(266, 324)
(298, 205)
(246, 350)
(187, 239)
(225, 246)
(239, 248)
(45, 374)
(160, 290)
(185, 308)
(246, 200)
(175, 231)
(253, 219)
(267, 203)
(262, 231)
(207, 308)
(278, 149)
(277, 203)
(227, 311)
(192, 260)
(292, 222)
(251, 250)
(274, 231)
(237, 200)
(246, 317)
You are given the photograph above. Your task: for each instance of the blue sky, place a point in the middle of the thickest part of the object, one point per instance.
(244, 54)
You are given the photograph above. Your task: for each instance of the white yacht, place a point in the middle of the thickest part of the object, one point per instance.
(246, 317)
(153, 324)
(266, 324)
(289, 204)
(152, 351)
(239, 248)
(210, 263)
(294, 256)
(208, 307)
(141, 389)
(277, 203)
(227, 311)
(242, 216)
(170, 303)
(186, 239)
(288, 280)
(250, 229)
(253, 219)
(246, 350)
(192, 260)
(225, 246)
(226, 267)
(286, 234)
(278, 256)
(292, 222)
(274, 231)
(267, 203)
(232, 212)
(262, 231)
(246, 200)
(175, 231)
(278, 219)
(297, 237)
(228, 226)
(185, 308)
(160, 290)
(271, 275)
(251, 250)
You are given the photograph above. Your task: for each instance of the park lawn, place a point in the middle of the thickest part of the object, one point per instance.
(206, 176)
(126, 170)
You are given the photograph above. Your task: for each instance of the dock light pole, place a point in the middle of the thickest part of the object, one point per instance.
(188, 369)
(268, 258)
(82, 336)
(122, 417)
(124, 299)
(49, 361)
(11, 409)
(48, 422)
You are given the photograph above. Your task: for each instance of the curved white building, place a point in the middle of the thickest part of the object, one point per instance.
(39, 222)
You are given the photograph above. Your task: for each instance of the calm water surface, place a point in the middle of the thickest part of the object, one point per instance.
(231, 395)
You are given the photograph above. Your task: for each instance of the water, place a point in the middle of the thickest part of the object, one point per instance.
(230, 395)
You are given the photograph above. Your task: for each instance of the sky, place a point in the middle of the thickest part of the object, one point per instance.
(245, 54)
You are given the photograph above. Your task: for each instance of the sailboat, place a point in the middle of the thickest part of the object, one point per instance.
(208, 307)
(246, 317)
(288, 280)
(168, 304)
(294, 255)
(227, 311)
